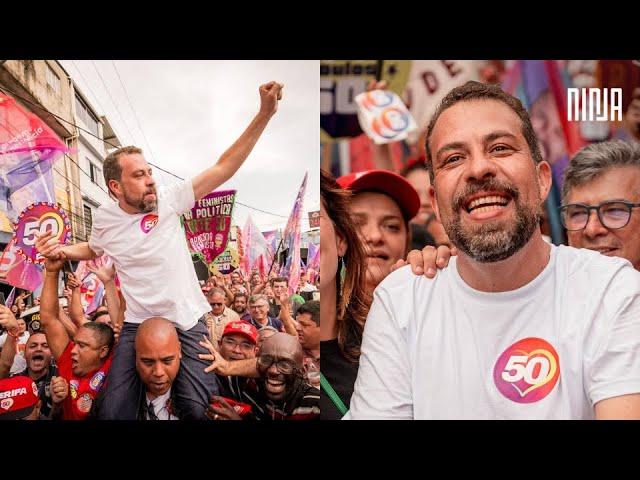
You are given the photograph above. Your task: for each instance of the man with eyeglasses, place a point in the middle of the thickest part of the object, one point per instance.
(259, 310)
(281, 392)
(601, 195)
(220, 314)
(239, 342)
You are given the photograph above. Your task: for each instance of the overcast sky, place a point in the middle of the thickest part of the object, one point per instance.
(192, 111)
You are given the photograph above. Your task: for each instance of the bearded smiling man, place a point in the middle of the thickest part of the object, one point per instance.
(501, 333)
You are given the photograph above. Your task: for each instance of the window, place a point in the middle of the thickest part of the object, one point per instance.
(93, 172)
(53, 80)
(83, 113)
(88, 221)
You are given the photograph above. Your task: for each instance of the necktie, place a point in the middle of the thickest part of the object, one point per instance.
(151, 412)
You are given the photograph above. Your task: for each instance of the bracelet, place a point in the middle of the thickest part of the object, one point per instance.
(14, 335)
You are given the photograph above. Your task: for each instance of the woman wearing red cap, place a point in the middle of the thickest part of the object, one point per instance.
(382, 206)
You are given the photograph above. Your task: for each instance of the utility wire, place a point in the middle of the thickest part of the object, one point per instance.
(95, 67)
(40, 107)
(135, 115)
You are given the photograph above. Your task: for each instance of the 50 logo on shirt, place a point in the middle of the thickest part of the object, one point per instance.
(527, 371)
(148, 222)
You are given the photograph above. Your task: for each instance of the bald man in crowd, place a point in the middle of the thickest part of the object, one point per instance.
(157, 362)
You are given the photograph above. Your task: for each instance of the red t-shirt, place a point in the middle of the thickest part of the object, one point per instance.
(82, 390)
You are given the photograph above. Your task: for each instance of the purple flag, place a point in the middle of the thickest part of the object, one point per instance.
(292, 239)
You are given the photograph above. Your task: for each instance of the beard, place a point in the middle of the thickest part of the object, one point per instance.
(492, 241)
(140, 204)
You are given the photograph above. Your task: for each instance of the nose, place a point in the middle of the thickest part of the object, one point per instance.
(480, 166)
(237, 348)
(157, 370)
(594, 228)
(372, 233)
(273, 370)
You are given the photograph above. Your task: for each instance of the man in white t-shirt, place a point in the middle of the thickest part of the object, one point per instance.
(143, 235)
(515, 328)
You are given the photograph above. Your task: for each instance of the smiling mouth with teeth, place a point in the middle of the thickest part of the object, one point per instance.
(487, 203)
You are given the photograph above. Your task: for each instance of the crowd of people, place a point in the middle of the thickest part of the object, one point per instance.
(162, 346)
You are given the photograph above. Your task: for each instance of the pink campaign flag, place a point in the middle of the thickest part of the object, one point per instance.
(15, 271)
(91, 289)
(256, 250)
(11, 297)
(293, 237)
(208, 224)
(28, 150)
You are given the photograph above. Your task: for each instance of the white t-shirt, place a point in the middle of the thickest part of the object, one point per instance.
(152, 259)
(438, 349)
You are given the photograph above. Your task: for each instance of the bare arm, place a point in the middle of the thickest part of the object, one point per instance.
(234, 157)
(106, 272)
(228, 294)
(113, 302)
(76, 311)
(7, 356)
(236, 368)
(285, 315)
(79, 251)
(382, 157)
(624, 407)
(57, 336)
(10, 324)
(381, 153)
(49, 247)
(68, 325)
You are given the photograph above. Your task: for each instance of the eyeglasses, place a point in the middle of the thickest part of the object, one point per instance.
(286, 367)
(233, 344)
(612, 215)
(254, 307)
(216, 304)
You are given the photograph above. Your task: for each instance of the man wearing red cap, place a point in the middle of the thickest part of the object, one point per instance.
(239, 341)
(19, 399)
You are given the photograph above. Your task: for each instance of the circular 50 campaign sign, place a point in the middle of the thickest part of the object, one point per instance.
(40, 218)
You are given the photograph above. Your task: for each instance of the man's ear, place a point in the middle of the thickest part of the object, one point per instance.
(114, 187)
(434, 202)
(104, 352)
(545, 178)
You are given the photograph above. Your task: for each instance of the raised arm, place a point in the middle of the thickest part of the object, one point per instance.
(285, 315)
(57, 336)
(76, 312)
(7, 355)
(9, 323)
(231, 160)
(106, 272)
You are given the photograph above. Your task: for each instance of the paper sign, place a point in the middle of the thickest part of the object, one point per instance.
(384, 117)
